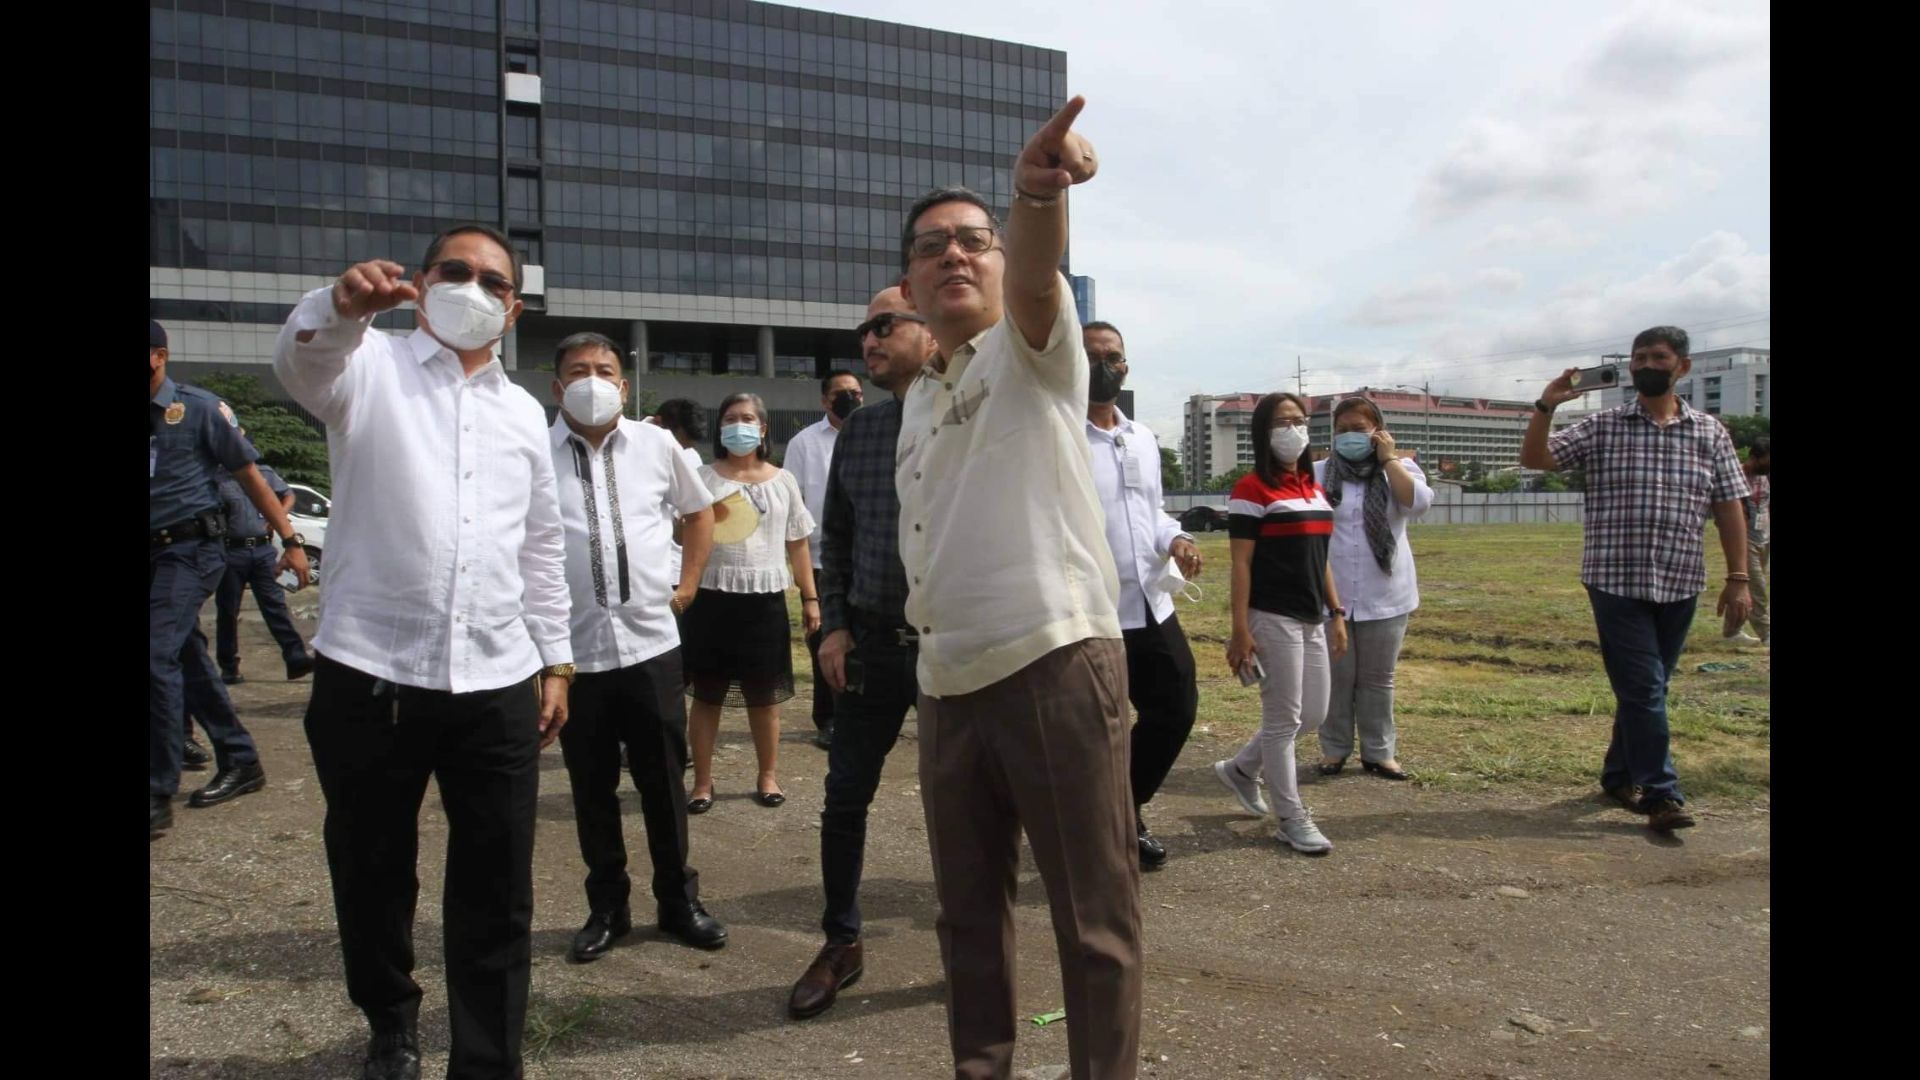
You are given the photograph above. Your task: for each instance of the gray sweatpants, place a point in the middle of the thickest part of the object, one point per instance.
(1363, 691)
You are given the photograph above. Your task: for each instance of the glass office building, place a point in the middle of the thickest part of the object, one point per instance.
(720, 184)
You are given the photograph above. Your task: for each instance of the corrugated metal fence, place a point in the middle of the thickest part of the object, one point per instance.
(1451, 506)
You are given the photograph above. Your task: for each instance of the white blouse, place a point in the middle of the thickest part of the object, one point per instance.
(1368, 592)
(758, 564)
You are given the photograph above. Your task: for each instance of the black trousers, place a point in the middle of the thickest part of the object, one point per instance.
(1160, 683)
(644, 708)
(823, 705)
(881, 687)
(374, 746)
(255, 568)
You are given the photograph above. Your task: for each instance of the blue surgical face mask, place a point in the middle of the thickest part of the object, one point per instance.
(740, 439)
(1353, 445)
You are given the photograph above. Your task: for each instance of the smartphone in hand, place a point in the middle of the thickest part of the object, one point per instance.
(1595, 378)
(1251, 673)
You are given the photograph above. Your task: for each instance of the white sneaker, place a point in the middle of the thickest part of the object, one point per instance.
(1301, 835)
(1740, 637)
(1244, 788)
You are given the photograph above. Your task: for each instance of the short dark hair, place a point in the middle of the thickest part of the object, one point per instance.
(932, 199)
(1358, 404)
(1109, 327)
(1264, 463)
(720, 451)
(1762, 446)
(684, 417)
(1671, 336)
(587, 339)
(826, 384)
(488, 231)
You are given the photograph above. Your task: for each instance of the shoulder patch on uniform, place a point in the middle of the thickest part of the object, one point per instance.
(176, 412)
(227, 411)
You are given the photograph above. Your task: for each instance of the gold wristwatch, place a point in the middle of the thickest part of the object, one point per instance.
(558, 671)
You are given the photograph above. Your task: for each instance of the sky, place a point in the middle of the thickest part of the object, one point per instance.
(1471, 195)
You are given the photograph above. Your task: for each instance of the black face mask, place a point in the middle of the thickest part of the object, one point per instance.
(1652, 382)
(844, 403)
(1104, 385)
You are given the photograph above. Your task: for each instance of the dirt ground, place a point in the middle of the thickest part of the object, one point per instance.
(1525, 933)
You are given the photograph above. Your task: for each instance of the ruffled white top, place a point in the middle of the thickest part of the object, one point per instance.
(758, 564)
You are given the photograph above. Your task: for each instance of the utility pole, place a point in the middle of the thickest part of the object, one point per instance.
(1299, 377)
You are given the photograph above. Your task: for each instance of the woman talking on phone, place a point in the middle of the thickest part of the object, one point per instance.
(1287, 619)
(1374, 493)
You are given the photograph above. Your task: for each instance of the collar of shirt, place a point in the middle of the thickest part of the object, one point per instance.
(1687, 414)
(425, 347)
(562, 431)
(960, 356)
(1123, 428)
(167, 392)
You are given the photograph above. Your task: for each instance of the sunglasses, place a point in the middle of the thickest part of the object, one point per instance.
(459, 273)
(881, 325)
(973, 239)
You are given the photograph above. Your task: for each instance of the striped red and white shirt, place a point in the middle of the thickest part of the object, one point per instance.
(1290, 525)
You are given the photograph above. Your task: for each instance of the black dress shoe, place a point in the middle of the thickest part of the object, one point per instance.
(1152, 854)
(230, 783)
(769, 798)
(299, 667)
(691, 925)
(232, 678)
(596, 939)
(1382, 771)
(159, 815)
(700, 805)
(194, 757)
(1334, 769)
(392, 1056)
(837, 967)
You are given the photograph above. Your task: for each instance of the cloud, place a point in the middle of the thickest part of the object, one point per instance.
(1624, 132)
(1425, 300)
(1547, 234)
(1500, 279)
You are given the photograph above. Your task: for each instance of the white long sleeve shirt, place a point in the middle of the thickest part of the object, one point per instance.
(809, 457)
(1126, 477)
(446, 560)
(1368, 592)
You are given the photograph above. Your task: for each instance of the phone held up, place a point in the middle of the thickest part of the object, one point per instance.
(1596, 378)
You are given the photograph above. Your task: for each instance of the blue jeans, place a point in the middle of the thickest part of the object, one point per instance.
(1640, 642)
(882, 687)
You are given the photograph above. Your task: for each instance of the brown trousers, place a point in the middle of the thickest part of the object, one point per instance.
(1044, 749)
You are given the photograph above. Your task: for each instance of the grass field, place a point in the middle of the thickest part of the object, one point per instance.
(1500, 680)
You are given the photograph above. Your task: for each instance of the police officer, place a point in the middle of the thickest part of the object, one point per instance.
(192, 435)
(251, 561)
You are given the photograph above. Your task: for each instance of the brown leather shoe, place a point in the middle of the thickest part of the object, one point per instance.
(836, 968)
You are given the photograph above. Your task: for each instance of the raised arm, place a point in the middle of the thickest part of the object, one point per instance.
(1054, 159)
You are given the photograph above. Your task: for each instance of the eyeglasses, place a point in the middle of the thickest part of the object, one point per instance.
(974, 240)
(1106, 358)
(458, 272)
(1280, 423)
(881, 325)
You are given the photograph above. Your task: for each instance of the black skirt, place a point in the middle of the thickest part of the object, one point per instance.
(737, 648)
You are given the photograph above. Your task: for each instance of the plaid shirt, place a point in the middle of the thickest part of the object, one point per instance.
(1649, 489)
(860, 535)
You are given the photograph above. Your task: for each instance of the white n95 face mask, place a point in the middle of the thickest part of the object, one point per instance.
(592, 401)
(1172, 582)
(464, 316)
(1288, 443)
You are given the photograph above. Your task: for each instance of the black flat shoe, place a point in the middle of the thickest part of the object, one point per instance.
(1334, 769)
(700, 806)
(1382, 771)
(769, 798)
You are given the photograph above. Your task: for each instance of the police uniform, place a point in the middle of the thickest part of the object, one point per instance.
(191, 439)
(253, 561)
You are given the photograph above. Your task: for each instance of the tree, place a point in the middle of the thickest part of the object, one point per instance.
(296, 449)
(1745, 429)
(1553, 481)
(1225, 481)
(1495, 483)
(1172, 476)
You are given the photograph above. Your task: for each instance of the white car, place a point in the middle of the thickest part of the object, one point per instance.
(309, 517)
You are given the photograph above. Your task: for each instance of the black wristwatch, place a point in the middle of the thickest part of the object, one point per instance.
(1338, 612)
(1541, 404)
(294, 541)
